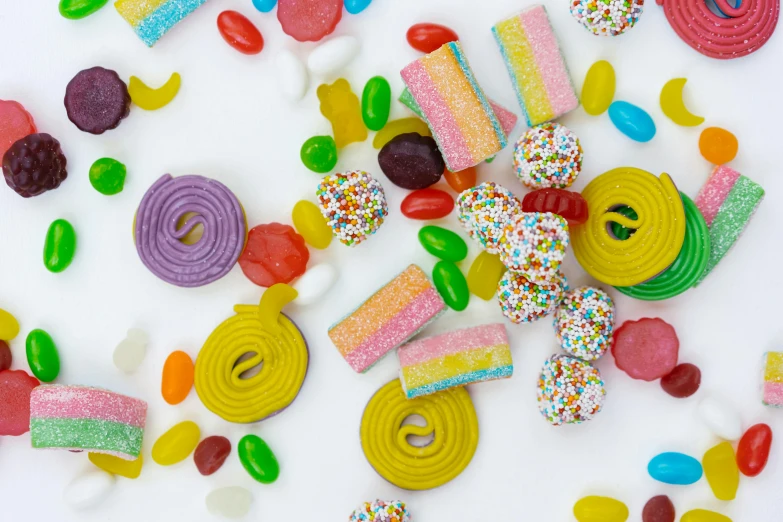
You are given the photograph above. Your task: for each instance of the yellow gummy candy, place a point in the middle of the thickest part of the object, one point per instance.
(9, 326)
(673, 105)
(272, 303)
(484, 275)
(720, 468)
(311, 225)
(176, 444)
(116, 466)
(703, 515)
(397, 127)
(598, 89)
(151, 99)
(600, 509)
(341, 107)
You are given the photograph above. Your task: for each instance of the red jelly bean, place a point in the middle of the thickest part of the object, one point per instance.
(570, 205)
(658, 509)
(682, 381)
(462, 180)
(15, 124)
(309, 20)
(428, 203)
(211, 453)
(428, 37)
(15, 389)
(239, 32)
(5, 356)
(274, 253)
(646, 349)
(753, 450)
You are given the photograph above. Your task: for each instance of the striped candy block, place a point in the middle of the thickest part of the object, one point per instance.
(772, 389)
(151, 19)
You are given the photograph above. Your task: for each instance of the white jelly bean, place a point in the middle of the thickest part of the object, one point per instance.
(291, 75)
(89, 489)
(333, 55)
(131, 351)
(720, 418)
(230, 502)
(315, 282)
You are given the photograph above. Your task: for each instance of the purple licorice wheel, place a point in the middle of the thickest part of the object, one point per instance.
(159, 241)
(96, 100)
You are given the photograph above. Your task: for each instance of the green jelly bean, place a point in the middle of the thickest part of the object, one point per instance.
(76, 9)
(42, 356)
(258, 459)
(60, 246)
(451, 284)
(107, 176)
(376, 103)
(319, 154)
(443, 243)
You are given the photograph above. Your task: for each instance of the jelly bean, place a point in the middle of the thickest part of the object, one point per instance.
(753, 450)
(319, 154)
(356, 6)
(257, 459)
(443, 243)
(88, 490)
(376, 103)
(333, 55)
(107, 176)
(703, 515)
(632, 121)
(427, 203)
(292, 78)
(42, 356)
(177, 377)
(309, 20)
(462, 180)
(600, 509)
(396, 127)
(718, 146)
(229, 502)
(116, 466)
(683, 381)
(176, 444)
(9, 326)
(646, 349)
(6, 358)
(60, 246)
(274, 253)
(658, 509)
(720, 468)
(15, 389)
(311, 225)
(264, 5)
(77, 9)
(720, 418)
(342, 108)
(272, 303)
(451, 285)
(485, 274)
(598, 89)
(239, 32)
(130, 352)
(427, 37)
(412, 161)
(211, 453)
(314, 284)
(151, 99)
(675, 468)
(570, 205)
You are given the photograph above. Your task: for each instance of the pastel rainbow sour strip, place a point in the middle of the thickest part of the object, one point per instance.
(391, 316)
(454, 106)
(151, 19)
(453, 359)
(536, 65)
(772, 389)
(85, 418)
(727, 201)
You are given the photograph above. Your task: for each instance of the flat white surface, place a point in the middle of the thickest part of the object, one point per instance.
(229, 122)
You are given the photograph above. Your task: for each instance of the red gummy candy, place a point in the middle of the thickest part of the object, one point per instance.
(428, 37)
(211, 453)
(274, 253)
(683, 381)
(753, 450)
(15, 389)
(309, 20)
(570, 205)
(428, 203)
(239, 32)
(658, 509)
(646, 349)
(15, 124)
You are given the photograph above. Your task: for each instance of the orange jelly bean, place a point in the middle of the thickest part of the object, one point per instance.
(462, 180)
(718, 146)
(177, 377)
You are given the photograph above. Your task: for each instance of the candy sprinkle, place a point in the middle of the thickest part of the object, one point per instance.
(353, 204)
(569, 391)
(607, 17)
(381, 511)
(585, 323)
(484, 211)
(548, 156)
(524, 302)
(535, 243)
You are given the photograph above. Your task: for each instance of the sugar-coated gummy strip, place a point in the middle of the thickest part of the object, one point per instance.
(82, 402)
(773, 369)
(424, 350)
(151, 19)
(715, 191)
(490, 374)
(96, 435)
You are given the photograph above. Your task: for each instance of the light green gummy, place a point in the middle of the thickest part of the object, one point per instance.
(88, 434)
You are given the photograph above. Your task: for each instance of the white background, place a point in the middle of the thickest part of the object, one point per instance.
(230, 123)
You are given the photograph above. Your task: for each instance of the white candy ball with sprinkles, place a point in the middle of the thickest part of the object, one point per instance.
(607, 17)
(548, 156)
(570, 391)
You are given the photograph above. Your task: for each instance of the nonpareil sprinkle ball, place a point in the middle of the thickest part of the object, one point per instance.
(548, 156)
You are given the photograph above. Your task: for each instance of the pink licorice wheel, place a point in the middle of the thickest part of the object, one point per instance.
(745, 30)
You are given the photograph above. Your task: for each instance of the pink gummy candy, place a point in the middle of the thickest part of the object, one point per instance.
(15, 389)
(309, 20)
(646, 349)
(15, 124)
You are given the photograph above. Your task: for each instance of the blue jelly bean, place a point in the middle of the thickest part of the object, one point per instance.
(356, 6)
(675, 468)
(264, 5)
(632, 121)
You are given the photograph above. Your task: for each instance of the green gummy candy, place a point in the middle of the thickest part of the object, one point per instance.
(451, 284)
(76, 9)
(257, 459)
(107, 176)
(42, 356)
(319, 154)
(60, 246)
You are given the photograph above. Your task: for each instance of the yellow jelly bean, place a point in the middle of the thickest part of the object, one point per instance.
(598, 89)
(9, 326)
(397, 127)
(600, 509)
(116, 466)
(311, 224)
(720, 468)
(151, 99)
(484, 274)
(272, 303)
(176, 444)
(703, 515)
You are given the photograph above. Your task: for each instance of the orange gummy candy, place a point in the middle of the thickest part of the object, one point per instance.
(718, 146)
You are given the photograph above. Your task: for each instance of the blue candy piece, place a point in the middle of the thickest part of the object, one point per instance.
(675, 468)
(264, 5)
(356, 6)
(632, 121)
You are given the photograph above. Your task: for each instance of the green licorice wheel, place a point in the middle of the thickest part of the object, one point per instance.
(686, 269)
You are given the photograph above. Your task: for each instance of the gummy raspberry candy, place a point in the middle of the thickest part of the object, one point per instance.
(274, 253)
(309, 20)
(34, 165)
(96, 100)
(15, 389)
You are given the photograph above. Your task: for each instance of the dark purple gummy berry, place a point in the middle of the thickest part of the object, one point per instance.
(412, 161)
(34, 165)
(97, 100)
